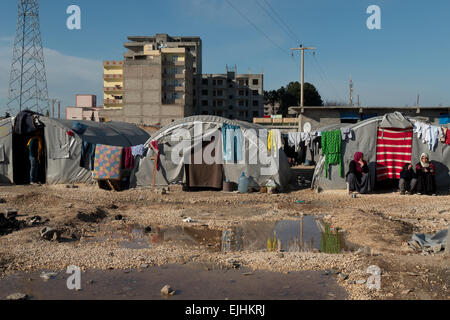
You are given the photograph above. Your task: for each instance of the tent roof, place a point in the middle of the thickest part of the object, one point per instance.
(206, 119)
(110, 133)
(389, 120)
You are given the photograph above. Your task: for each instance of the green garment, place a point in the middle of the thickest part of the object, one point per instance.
(331, 149)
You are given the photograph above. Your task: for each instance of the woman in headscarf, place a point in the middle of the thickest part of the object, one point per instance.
(426, 183)
(358, 175)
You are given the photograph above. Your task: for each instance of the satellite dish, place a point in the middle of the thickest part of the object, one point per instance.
(307, 127)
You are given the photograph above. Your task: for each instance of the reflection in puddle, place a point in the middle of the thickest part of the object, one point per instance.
(305, 234)
(302, 235)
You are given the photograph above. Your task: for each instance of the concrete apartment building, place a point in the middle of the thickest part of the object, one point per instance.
(85, 108)
(113, 84)
(230, 95)
(157, 85)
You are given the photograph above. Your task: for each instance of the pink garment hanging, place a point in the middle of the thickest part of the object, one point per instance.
(154, 144)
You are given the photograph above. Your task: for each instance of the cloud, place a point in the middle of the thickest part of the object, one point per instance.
(66, 76)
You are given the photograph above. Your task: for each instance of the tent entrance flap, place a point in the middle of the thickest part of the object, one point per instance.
(22, 159)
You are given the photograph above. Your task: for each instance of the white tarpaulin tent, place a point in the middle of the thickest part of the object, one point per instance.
(63, 152)
(174, 172)
(365, 141)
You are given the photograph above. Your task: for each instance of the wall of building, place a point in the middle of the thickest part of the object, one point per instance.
(230, 95)
(322, 116)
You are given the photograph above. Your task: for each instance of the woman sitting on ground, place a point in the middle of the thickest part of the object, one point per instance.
(408, 180)
(426, 183)
(358, 175)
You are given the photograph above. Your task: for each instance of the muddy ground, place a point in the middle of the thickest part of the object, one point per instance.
(94, 224)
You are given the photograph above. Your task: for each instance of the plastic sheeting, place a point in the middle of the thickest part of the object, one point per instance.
(64, 151)
(365, 141)
(173, 171)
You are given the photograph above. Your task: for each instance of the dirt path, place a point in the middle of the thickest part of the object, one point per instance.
(93, 234)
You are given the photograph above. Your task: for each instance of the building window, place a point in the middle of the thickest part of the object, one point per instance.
(241, 103)
(205, 82)
(255, 92)
(241, 93)
(219, 113)
(214, 103)
(220, 82)
(204, 92)
(255, 103)
(214, 82)
(255, 82)
(255, 114)
(205, 103)
(204, 112)
(231, 97)
(220, 93)
(220, 103)
(241, 113)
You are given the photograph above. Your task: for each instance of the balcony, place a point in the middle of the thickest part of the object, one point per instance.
(174, 88)
(116, 89)
(113, 102)
(113, 77)
(170, 63)
(113, 63)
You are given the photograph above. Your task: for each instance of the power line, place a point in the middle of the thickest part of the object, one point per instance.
(282, 21)
(325, 76)
(256, 27)
(278, 23)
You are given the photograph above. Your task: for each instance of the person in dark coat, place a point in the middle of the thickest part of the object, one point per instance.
(426, 183)
(357, 177)
(408, 180)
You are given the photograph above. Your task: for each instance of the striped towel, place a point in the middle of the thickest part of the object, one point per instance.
(394, 148)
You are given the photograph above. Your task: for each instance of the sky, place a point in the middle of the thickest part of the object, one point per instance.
(409, 55)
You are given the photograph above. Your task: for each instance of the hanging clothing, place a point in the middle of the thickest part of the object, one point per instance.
(26, 122)
(127, 158)
(87, 155)
(107, 162)
(434, 137)
(332, 149)
(294, 140)
(232, 143)
(347, 134)
(394, 149)
(274, 142)
(154, 144)
(137, 150)
(447, 138)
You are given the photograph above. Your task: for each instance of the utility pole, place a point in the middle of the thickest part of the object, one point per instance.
(418, 100)
(302, 49)
(53, 108)
(351, 91)
(59, 109)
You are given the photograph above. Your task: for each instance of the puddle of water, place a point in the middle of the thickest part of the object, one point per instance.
(189, 282)
(305, 234)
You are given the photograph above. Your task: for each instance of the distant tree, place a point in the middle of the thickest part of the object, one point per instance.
(7, 115)
(290, 96)
(47, 113)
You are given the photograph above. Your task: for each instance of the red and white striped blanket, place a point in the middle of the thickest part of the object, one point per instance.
(394, 148)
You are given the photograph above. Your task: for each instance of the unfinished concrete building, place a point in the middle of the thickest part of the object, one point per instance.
(230, 95)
